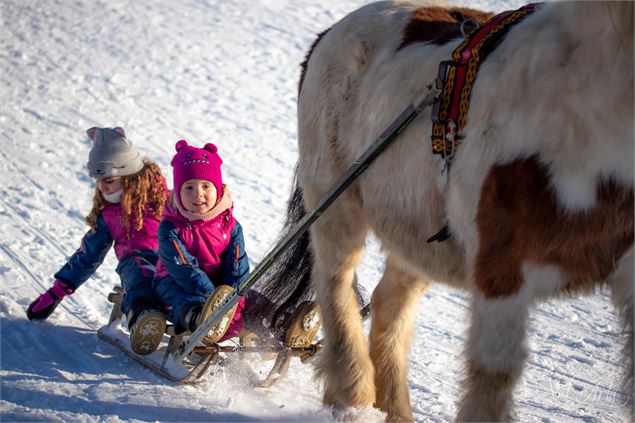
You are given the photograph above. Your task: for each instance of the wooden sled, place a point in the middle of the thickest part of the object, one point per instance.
(193, 367)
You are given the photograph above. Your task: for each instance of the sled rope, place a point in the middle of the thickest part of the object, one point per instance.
(353, 172)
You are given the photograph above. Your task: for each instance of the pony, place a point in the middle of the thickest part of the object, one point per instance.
(537, 203)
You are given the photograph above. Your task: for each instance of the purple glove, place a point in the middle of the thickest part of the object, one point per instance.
(46, 303)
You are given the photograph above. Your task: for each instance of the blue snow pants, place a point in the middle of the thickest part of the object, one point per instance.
(136, 272)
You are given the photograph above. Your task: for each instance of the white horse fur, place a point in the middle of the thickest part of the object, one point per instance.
(551, 114)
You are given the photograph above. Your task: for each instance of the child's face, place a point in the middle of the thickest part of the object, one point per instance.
(109, 185)
(198, 195)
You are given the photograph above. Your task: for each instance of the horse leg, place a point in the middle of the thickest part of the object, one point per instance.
(496, 353)
(337, 241)
(394, 305)
(621, 283)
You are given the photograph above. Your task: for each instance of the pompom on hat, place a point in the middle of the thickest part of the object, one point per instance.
(197, 163)
(112, 154)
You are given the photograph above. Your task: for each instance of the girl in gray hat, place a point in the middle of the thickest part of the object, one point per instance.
(127, 209)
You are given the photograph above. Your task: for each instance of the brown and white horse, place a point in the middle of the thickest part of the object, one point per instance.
(539, 199)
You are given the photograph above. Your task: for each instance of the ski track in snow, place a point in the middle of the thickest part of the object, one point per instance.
(227, 72)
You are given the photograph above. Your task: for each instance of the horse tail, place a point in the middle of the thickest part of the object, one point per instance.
(287, 283)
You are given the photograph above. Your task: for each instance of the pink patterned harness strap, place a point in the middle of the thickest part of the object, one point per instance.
(457, 77)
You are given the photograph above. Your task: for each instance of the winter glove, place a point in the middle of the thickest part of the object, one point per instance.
(46, 303)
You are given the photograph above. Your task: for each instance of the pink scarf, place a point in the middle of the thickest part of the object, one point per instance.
(221, 205)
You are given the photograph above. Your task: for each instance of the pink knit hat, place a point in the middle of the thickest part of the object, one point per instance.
(197, 163)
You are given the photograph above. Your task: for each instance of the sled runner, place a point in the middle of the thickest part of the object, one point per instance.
(207, 354)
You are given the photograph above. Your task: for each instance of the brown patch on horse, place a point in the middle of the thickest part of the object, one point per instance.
(438, 25)
(305, 63)
(519, 219)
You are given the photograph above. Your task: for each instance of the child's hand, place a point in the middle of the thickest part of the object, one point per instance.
(46, 303)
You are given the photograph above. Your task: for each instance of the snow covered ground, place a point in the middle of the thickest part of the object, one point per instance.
(222, 71)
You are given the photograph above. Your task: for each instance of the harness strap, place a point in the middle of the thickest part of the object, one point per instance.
(457, 77)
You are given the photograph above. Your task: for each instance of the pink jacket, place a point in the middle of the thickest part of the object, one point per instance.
(126, 243)
(204, 239)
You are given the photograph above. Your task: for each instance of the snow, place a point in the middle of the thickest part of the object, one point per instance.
(222, 71)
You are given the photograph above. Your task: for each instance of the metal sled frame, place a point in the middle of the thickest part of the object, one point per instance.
(202, 356)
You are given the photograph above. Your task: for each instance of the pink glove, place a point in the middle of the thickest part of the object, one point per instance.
(46, 303)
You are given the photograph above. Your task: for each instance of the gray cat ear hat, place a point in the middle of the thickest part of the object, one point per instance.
(112, 154)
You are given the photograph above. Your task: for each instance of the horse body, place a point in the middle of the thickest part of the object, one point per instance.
(346, 107)
(539, 197)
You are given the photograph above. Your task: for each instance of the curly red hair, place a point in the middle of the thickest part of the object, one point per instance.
(144, 189)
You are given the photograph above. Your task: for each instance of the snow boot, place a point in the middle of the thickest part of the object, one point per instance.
(305, 325)
(47, 302)
(147, 331)
(217, 331)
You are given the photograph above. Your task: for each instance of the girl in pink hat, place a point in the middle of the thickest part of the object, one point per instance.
(201, 247)
(127, 209)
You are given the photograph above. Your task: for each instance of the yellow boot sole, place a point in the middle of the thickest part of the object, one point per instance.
(217, 331)
(305, 326)
(147, 332)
